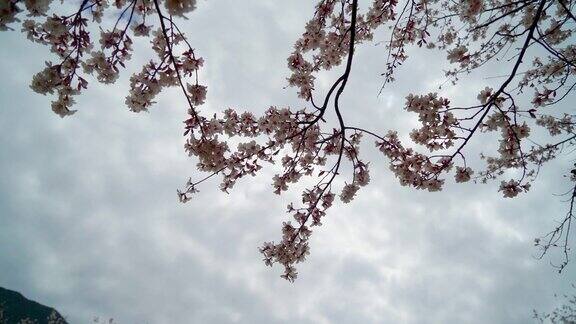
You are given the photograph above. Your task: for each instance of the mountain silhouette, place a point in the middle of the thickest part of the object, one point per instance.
(14, 308)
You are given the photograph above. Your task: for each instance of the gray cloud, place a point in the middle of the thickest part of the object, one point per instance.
(90, 223)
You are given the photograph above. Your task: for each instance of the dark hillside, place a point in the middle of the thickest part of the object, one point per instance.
(14, 308)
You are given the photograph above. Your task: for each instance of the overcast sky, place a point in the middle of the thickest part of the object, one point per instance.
(90, 223)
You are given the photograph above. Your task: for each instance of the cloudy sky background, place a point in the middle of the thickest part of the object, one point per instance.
(90, 222)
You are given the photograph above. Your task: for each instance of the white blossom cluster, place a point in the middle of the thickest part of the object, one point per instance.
(69, 38)
(412, 168)
(9, 9)
(327, 39)
(470, 10)
(180, 7)
(481, 31)
(437, 123)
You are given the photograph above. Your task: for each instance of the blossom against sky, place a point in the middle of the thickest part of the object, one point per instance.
(92, 226)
